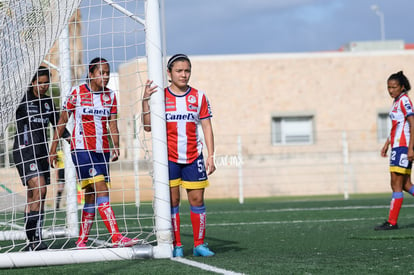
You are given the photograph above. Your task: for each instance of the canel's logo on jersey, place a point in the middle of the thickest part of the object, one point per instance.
(188, 116)
(95, 112)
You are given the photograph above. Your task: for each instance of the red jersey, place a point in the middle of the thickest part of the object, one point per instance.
(400, 130)
(183, 114)
(91, 111)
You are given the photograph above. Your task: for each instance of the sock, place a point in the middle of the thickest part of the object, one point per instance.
(175, 219)
(198, 220)
(108, 217)
(396, 203)
(88, 215)
(39, 226)
(30, 226)
(86, 225)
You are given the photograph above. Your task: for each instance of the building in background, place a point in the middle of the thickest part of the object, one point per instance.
(296, 124)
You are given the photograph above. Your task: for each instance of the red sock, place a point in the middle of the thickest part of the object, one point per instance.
(175, 219)
(86, 225)
(395, 210)
(108, 217)
(199, 227)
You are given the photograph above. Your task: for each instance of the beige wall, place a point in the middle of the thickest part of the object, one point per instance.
(344, 92)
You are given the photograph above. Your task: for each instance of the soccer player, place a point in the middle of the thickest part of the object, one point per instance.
(94, 108)
(401, 140)
(30, 152)
(185, 108)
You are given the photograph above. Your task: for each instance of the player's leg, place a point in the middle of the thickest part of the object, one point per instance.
(101, 183)
(400, 169)
(175, 182)
(82, 161)
(34, 224)
(194, 180)
(88, 216)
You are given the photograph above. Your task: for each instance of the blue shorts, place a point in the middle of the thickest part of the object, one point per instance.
(399, 162)
(91, 166)
(189, 176)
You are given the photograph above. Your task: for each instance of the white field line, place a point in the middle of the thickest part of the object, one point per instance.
(205, 266)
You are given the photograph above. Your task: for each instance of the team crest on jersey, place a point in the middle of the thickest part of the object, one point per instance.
(33, 167)
(92, 172)
(106, 99)
(47, 106)
(191, 99)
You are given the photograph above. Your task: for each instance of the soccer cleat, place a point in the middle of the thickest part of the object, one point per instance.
(125, 242)
(386, 226)
(36, 246)
(178, 251)
(203, 250)
(81, 244)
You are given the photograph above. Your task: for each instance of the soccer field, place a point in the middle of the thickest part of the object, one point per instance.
(313, 235)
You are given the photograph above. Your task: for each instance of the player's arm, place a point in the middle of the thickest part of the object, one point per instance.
(209, 139)
(146, 116)
(58, 133)
(410, 153)
(384, 149)
(113, 129)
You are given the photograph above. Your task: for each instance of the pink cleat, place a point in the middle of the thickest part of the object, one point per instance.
(81, 244)
(125, 242)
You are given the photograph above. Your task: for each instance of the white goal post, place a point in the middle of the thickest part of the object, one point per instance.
(35, 32)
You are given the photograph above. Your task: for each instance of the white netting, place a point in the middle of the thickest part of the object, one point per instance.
(110, 29)
(28, 30)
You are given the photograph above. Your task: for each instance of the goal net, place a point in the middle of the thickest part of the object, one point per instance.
(65, 36)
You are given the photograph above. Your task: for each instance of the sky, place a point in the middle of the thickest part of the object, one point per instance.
(215, 27)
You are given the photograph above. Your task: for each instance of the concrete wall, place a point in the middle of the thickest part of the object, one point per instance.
(344, 91)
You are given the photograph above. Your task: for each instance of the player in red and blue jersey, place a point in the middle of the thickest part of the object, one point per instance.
(185, 109)
(94, 108)
(401, 140)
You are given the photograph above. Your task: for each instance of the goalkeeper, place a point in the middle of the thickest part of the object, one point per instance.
(30, 152)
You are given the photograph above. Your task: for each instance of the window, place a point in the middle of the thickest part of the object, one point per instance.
(384, 126)
(292, 130)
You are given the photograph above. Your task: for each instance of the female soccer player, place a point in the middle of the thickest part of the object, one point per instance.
(185, 109)
(401, 140)
(94, 108)
(30, 152)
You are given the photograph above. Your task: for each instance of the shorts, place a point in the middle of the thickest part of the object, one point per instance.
(399, 162)
(91, 166)
(189, 176)
(30, 166)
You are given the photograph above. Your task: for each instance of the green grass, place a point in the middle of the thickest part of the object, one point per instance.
(289, 235)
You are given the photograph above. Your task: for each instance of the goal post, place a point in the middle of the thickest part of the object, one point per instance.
(150, 221)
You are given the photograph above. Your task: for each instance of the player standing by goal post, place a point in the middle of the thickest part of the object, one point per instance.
(185, 109)
(94, 107)
(401, 140)
(30, 152)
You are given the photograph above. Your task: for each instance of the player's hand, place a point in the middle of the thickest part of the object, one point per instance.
(410, 155)
(210, 165)
(149, 90)
(115, 154)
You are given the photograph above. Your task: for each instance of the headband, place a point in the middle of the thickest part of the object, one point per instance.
(175, 58)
